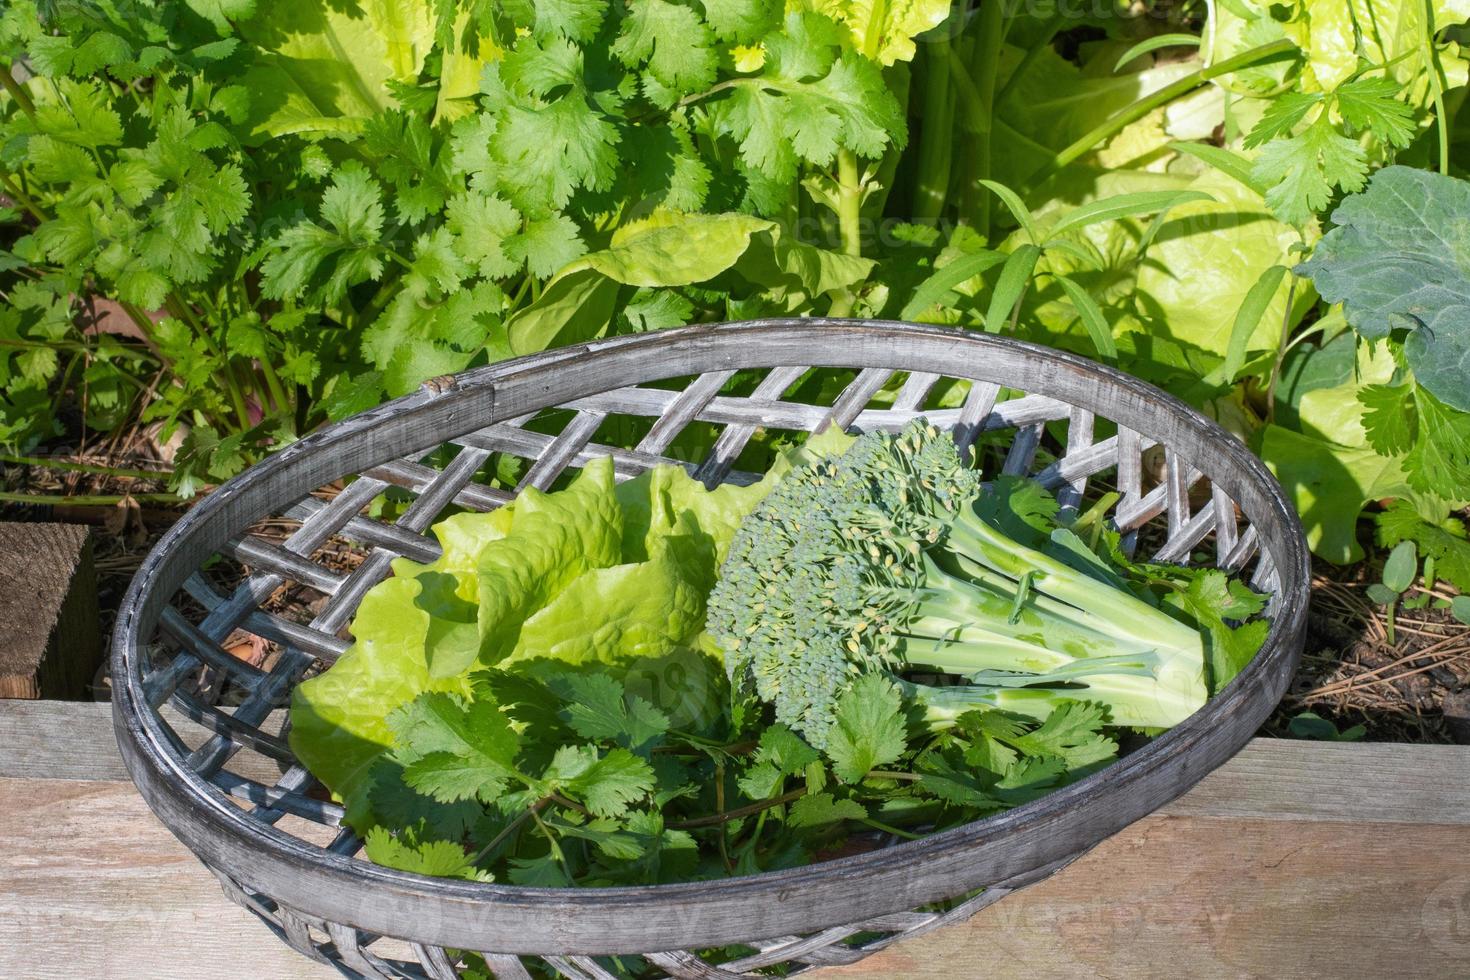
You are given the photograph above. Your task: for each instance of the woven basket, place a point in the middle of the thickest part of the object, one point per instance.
(1188, 491)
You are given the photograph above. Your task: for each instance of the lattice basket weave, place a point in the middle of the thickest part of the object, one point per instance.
(196, 725)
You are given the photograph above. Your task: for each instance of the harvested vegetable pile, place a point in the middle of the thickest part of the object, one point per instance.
(551, 701)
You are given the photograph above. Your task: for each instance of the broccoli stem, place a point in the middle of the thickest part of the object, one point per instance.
(1111, 610)
(1050, 631)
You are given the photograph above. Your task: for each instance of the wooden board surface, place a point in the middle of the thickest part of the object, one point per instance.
(51, 645)
(1295, 859)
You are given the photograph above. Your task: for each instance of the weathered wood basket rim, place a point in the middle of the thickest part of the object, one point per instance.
(518, 919)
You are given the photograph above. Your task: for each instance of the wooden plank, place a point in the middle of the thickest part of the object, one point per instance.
(74, 740)
(51, 646)
(1269, 779)
(1221, 897)
(91, 885)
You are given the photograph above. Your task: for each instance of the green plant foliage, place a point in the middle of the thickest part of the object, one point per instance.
(240, 219)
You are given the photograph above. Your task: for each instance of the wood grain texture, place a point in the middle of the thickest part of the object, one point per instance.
(44, 740)
(1294, 859)
(91, 885)
(1206, 897)
(52, 643)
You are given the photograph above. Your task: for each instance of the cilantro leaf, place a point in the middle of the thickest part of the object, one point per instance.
(1281, 117)
(1371, 105)
(818, 811)
(608, 784)
(452, 749)
(869, 730)
(954, 785)
(784, 749)
(1302, 171)
(441, 858)
(1446, 542)
(1390, 418)
(597, 707)
(316, 263)
(1072, 733)
(672, 42)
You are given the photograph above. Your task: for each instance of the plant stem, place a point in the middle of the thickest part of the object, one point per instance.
(1281, 348)
(849, 223)
(936, 138)
(560, 800)
(21, 96)
(889, 829)
(71, 467)
(1106, 130)
(510, 829)
(904, 776)
(89, 500)
(719, 811)
(142, 321)
(985, 61)
(738, 812)
(21, 197)
(1436, 90)
(849, 203)
(180, 309)
(273, 385)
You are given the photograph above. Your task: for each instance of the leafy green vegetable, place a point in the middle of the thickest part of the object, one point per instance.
(492, 721)
(1398, 260)
(515, 588)
(920, 566)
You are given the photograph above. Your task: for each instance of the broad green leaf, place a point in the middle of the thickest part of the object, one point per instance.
(1329, 485)
(881, 31)
(672, 249)
(573, 307)
(1207, 257)
(1402, 567)
(554, 539)
(339, 725)
(322, 68)
(617, 616)
(1399, 258)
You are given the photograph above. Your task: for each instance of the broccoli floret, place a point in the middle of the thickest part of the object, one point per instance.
(882, 559)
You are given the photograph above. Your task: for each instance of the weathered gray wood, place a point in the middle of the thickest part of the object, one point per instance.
(1016, 846)
(74, 740)
(52, 643)
(1271, 779)
(1292, 859)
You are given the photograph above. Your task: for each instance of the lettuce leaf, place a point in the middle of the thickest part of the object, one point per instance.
(599, 574)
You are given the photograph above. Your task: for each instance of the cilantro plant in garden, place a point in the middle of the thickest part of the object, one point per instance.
(296, 210)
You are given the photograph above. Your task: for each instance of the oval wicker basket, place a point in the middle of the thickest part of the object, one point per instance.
(1187, 491)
